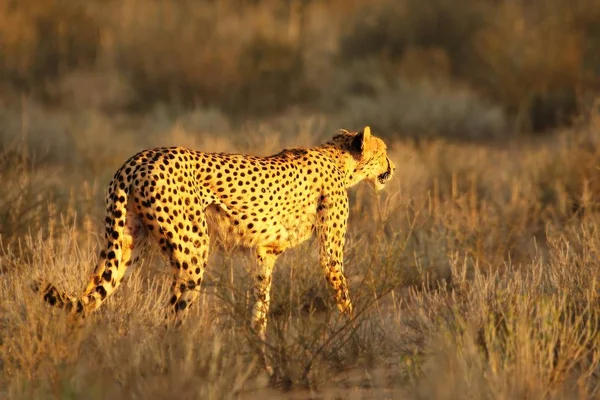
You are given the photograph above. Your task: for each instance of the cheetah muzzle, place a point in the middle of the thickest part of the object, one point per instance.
(386, 176)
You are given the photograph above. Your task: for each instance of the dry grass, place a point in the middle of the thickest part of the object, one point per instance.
(474, 275)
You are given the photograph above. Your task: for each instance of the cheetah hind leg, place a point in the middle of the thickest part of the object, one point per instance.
(188, 261)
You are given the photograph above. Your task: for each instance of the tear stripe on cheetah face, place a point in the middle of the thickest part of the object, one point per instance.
(179, 197)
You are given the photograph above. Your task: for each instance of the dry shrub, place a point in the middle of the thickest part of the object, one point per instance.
(239, 57)
(571, 186)
(530, 60)
(32, 198)
(20, 200)
(196, 54)
(530, 332)
(390, 28)
(43, 40)
(424, 109)
(537, 60)
(46, 354)
(175, 53)
(272, 75)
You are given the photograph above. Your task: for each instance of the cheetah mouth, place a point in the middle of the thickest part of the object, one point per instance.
(383, 178)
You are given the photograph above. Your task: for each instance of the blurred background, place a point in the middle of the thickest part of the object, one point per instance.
(466, 69)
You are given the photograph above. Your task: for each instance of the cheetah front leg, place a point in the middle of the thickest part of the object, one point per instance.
(332, 218)
(262, 299)
(262, 292)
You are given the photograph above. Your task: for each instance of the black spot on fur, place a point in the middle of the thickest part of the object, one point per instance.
(107, 275)
(101, 291)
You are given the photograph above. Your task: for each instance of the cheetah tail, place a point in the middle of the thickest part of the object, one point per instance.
(113, 260)
(54, 297)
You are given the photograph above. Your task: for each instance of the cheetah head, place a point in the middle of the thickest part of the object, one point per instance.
(369, 158)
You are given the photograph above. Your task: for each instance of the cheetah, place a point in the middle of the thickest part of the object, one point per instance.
(179, 197)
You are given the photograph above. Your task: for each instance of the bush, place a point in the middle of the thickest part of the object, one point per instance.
(538, 60)
(195, 59)
(43, 40)
(532, 67)
(391, 28)
(272, 74)
(427, 108)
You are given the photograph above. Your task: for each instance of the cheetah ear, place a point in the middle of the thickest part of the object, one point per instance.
(358, 143)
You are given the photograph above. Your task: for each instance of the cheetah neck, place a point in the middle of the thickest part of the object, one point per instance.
(346, 162)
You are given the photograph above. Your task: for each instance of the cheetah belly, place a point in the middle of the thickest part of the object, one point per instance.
(246, 229)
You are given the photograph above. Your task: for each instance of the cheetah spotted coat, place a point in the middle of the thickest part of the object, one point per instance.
(179, 197)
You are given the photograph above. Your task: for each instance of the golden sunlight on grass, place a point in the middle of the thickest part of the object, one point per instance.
(473, 275)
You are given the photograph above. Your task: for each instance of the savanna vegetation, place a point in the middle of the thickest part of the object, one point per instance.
(474, 274)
